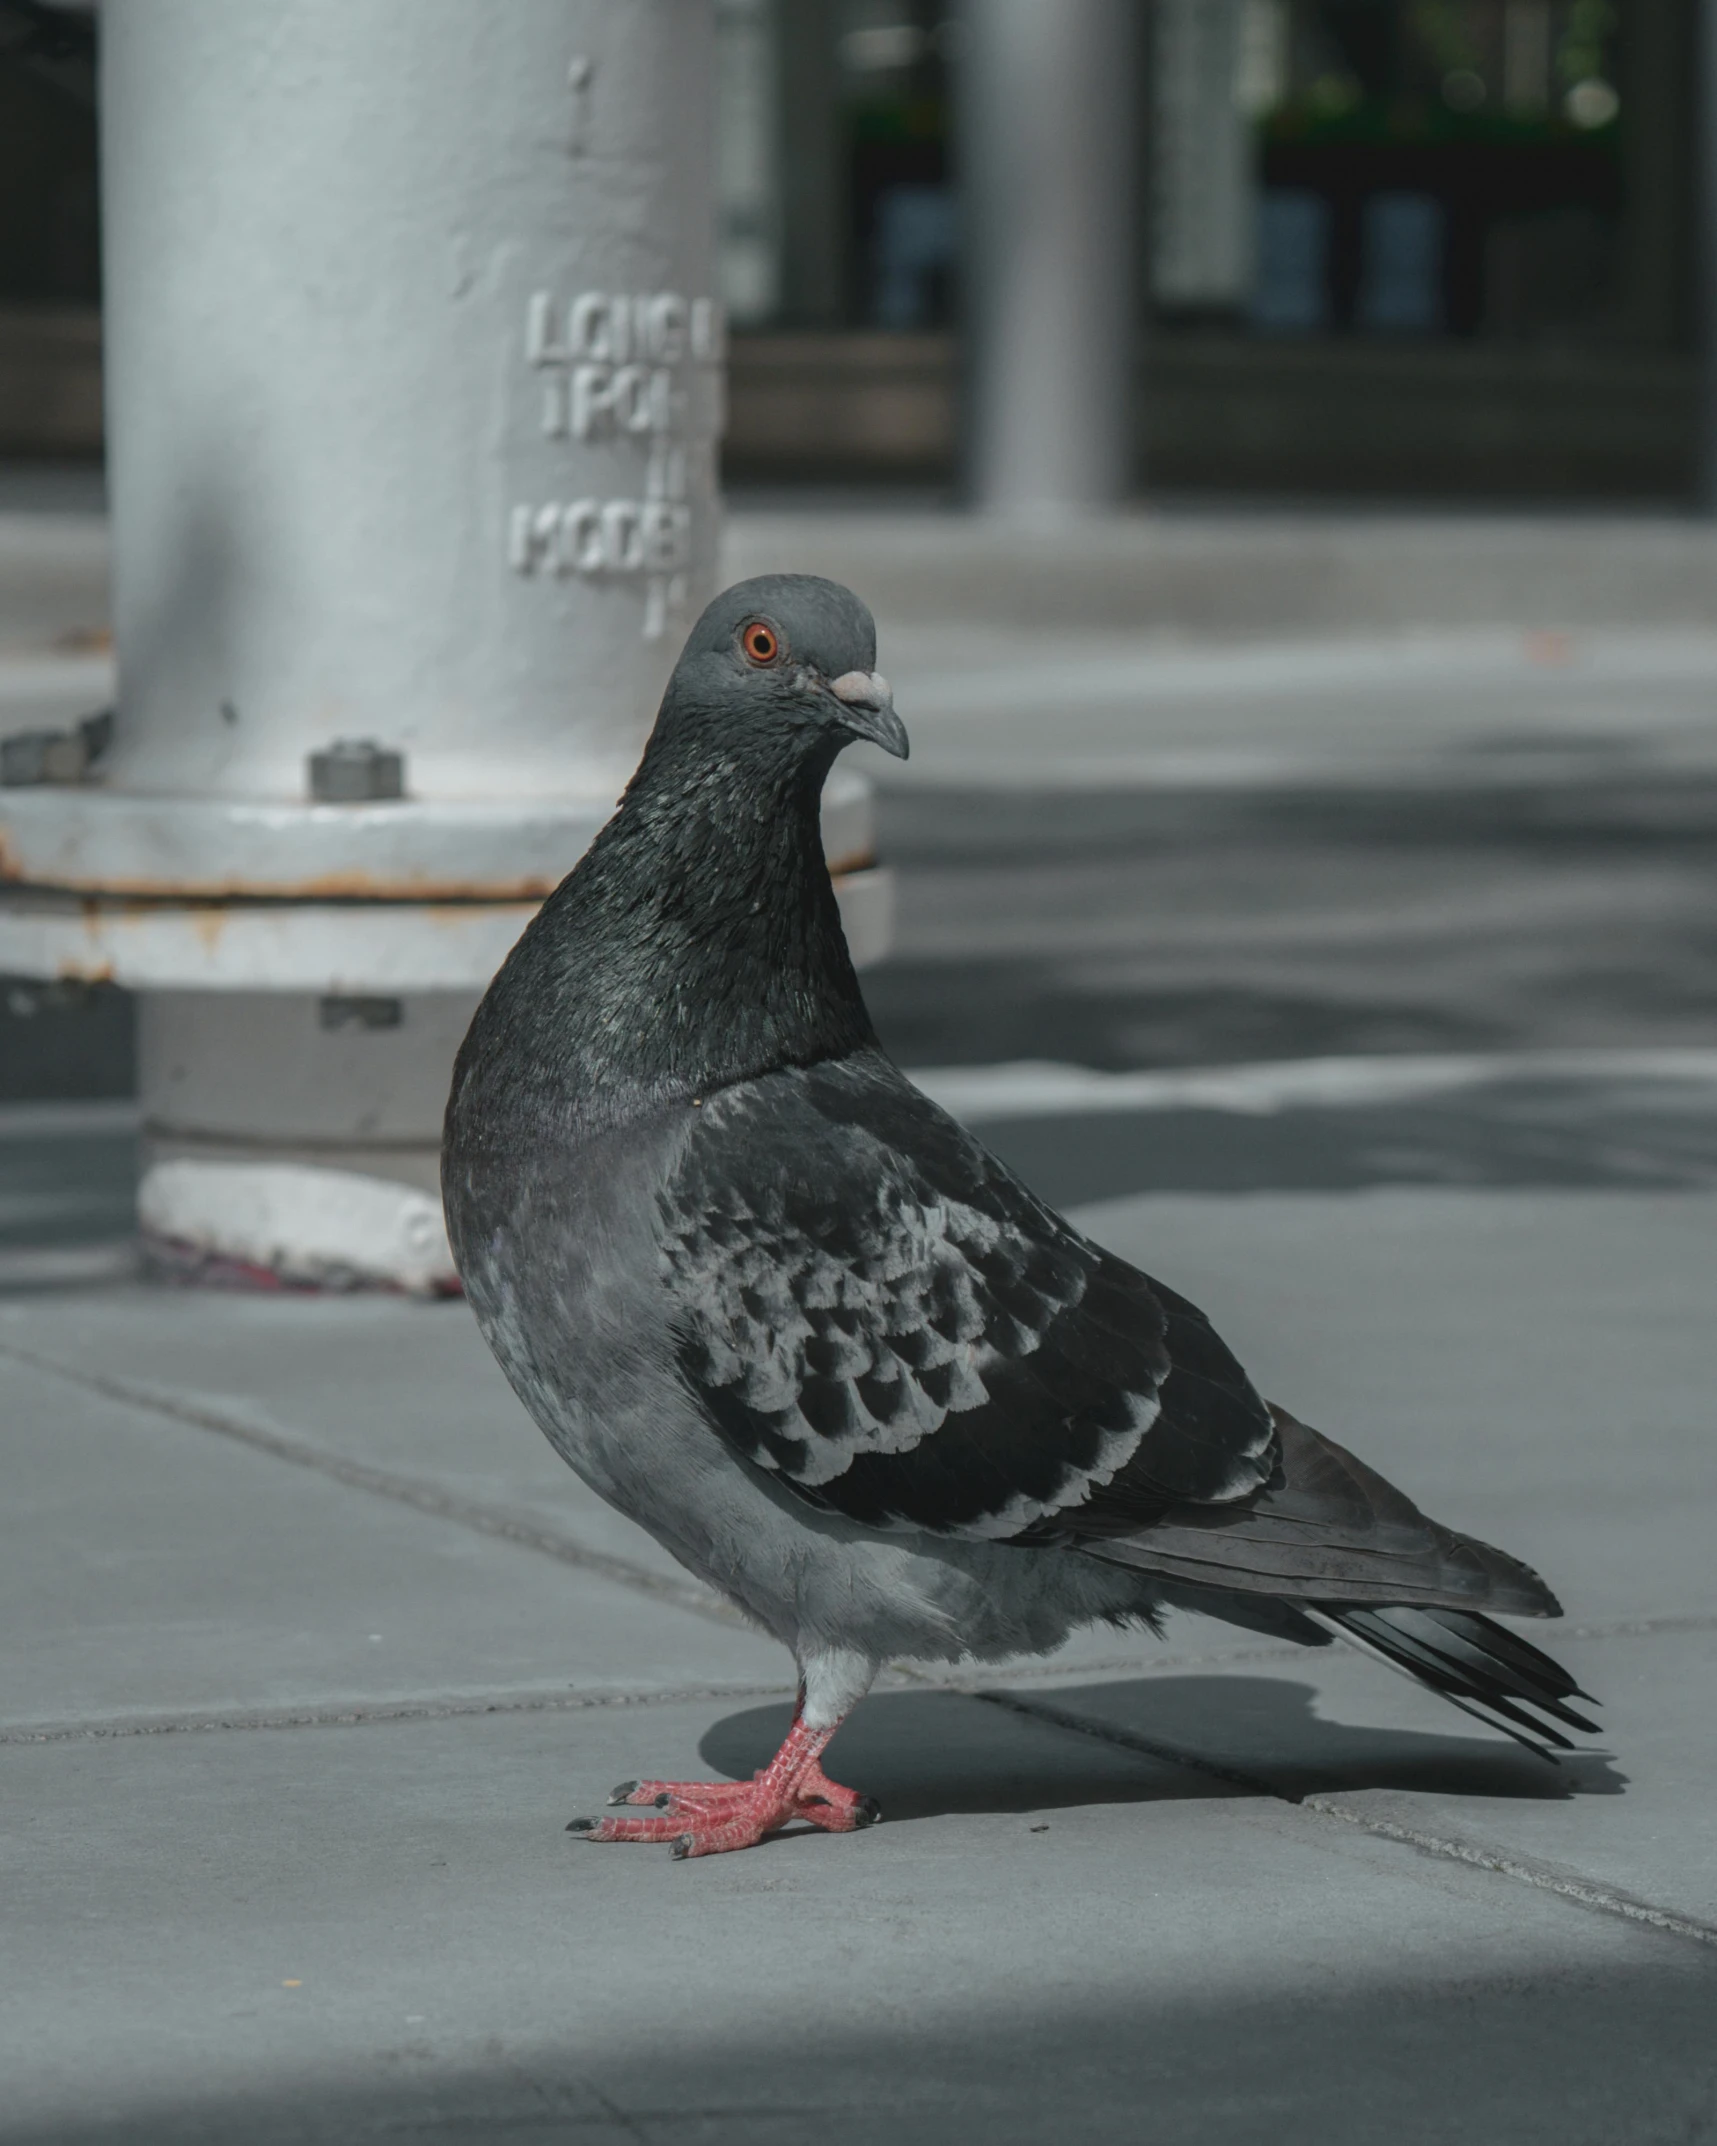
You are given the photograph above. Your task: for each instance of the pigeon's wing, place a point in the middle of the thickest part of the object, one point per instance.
(872, 1306)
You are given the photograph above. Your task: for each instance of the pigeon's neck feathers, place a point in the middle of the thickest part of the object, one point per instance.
(699, 941)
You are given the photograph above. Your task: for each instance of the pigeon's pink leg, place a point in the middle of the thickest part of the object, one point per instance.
(707, 1817)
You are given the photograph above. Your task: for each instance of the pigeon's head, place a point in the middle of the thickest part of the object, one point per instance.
(789, 660)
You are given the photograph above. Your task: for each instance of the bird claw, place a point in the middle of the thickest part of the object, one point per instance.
(680, 1795)
(631, 1829)
(699, 1818)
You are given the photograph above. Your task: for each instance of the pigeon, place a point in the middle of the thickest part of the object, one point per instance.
(778, 1307)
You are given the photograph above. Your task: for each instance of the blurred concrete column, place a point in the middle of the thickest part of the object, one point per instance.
(1046, 97)
(1203, 210)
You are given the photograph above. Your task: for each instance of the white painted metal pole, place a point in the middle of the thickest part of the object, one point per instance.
(383, 282)
(414, 386)
(1046, 113)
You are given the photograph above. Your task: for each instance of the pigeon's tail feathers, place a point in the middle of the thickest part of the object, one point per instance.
(1327, 1530)
(1475, 1664)
(1338, 1550)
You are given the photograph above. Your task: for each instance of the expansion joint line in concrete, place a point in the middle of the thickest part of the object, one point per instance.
(508, 1527)
(362, 1715)
(407, 1490)
(1566, 1885)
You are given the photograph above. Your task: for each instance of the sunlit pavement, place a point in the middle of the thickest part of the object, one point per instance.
(312, 1648)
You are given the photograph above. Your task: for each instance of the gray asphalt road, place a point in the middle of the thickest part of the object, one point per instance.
(1128, 927)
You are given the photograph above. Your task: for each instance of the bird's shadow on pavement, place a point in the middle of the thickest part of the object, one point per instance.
(934, 1753)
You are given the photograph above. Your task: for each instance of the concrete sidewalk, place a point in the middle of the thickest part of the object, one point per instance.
(312, 1649)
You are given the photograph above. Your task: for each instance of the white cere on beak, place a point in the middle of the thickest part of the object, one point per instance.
(863, 689)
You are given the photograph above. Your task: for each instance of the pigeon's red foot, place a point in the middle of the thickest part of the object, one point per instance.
(709, 1817)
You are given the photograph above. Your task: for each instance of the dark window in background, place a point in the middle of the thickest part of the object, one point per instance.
(834, 166)
(50, 247)
(895, 96)
(1462, 160)
(1505, 171)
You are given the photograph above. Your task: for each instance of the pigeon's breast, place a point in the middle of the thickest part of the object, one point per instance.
(558, 1244)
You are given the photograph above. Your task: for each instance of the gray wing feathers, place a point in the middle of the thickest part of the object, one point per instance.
(904, 1336)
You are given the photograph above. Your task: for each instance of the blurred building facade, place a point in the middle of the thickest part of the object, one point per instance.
(1399, 246)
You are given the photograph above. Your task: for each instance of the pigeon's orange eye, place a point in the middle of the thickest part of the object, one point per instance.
(760, 642)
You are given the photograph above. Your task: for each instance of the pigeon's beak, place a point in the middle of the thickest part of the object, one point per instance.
(869, 705)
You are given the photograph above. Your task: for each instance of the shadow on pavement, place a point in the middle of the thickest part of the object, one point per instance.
(1589, 1135)
(898, 1748)
(1092, 1011)
(1270, 1727)
(1415, 2052)
(66, 1185)
(1152, 925)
